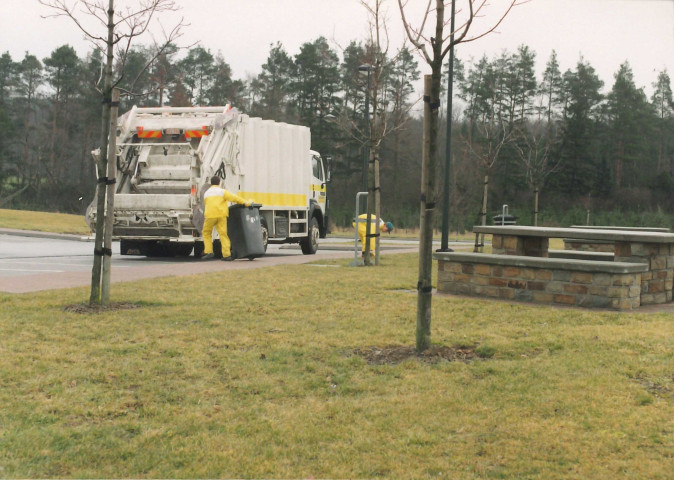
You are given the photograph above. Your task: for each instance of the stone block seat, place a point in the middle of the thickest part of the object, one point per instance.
(603, 245)
(556, 281)
(655, 249)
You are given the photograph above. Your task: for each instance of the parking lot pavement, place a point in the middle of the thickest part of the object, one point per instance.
(47, 262)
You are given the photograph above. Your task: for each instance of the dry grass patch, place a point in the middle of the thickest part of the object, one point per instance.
(87, 308)
(392, 355)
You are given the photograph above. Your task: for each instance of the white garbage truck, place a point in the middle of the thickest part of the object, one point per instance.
(166, 156)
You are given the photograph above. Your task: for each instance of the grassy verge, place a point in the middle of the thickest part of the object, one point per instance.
(43, 221)
(253, 374)
(405, 233)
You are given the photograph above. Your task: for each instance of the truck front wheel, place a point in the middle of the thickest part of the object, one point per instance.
(309, 244)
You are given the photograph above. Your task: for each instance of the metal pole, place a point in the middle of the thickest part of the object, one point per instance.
(355, 235)
(444, 244)
(366, 157)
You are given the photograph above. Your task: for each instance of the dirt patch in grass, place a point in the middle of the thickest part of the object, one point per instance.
(393, 355)
(87, 308)
(663, 387)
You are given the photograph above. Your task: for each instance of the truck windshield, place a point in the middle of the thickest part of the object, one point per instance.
(317, 168)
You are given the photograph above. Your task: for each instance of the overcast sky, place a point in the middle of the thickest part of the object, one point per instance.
(605, 32)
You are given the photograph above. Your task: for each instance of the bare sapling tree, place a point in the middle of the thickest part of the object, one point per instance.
(434, 42)
(377, 64)
(494, 134)
(380, 127)
(113, 33)
(533, 149)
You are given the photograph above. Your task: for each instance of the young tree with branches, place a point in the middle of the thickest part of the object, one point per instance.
(533, 149)
(386, 87)
(113, 33)
(434, 43)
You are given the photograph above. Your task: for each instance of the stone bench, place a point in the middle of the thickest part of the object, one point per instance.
(545, 280)
(602, 245)
(653, 248)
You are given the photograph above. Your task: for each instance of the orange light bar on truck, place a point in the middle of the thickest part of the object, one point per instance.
(197, 133)
(142, 133)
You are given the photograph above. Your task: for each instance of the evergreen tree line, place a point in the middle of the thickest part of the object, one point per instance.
(563, 138)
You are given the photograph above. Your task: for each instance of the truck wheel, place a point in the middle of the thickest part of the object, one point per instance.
(309, 244)
(265, 233)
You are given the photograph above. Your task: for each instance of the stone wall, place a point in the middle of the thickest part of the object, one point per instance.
(542, 280)
(656, 284)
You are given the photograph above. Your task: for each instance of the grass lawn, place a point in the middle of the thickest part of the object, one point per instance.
(43, 221)
(257, 374)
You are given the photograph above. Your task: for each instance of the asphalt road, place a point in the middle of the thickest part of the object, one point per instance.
(31, 261)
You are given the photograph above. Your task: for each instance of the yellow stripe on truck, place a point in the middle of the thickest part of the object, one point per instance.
(317, 188)
(277, 199)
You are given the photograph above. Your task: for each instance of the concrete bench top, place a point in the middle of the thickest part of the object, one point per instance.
(543, 262)
(630, 229)
(581, 255)
(580, 233)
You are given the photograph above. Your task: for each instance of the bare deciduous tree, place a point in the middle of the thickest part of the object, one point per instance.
(113, 34)
(380, 124)
(494, 136)
(434, 42)
(534, 153)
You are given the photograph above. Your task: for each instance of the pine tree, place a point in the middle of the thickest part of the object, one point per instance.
(223, 88)
(580, 148)
(316, 88)
(30, 78)
(62, 70)
(551, 92)
(663, 103)
(630, 118)
(274, 85)
(196, 74)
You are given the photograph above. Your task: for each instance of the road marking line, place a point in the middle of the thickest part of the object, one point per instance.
(28, 271)
(42, 263)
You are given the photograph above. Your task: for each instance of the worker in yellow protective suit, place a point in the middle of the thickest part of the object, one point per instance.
(362, 230)
(216, 211)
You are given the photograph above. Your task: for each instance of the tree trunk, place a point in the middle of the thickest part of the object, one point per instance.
(102, 166)
(536, 207)
(428, 179)
(483, 214)
(10, 197)
(110, 198)
(619, 166)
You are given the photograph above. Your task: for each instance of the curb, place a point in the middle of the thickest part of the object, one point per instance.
(37, 234)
